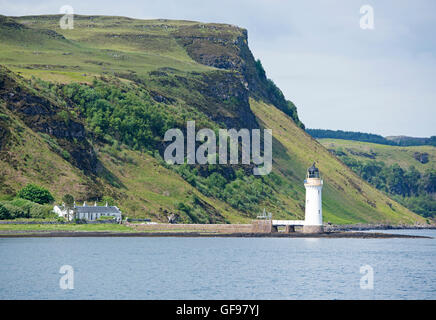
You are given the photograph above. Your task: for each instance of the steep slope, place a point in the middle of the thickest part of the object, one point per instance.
(421, 157)
(39, 146)
(407, 174)
(346, 198)
(112, 86)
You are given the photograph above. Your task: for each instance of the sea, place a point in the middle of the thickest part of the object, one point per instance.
(218, 268)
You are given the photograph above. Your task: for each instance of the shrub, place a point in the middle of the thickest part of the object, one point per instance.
(68, 199)
(15, 212)
(36, 194)
(4, 213)
(103, 218)
(80, 221)
(109, 200)
(21, 208)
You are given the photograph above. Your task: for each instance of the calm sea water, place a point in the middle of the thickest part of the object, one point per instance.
(218, 268)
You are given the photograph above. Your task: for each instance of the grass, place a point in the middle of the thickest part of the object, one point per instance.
(30, 159)
(151, 188)
(403, 156)
(66, 227)
(103, 45)
(346, 198)
(131, 49)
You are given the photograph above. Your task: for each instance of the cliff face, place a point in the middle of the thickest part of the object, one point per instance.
(45, 116)
(223, 48)
(84, 111)
(221, 95)
(227, 48)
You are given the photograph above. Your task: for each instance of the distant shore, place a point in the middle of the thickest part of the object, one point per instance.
(338, 234)
(365, 227)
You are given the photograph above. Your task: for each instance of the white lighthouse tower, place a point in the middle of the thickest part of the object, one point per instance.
(313, 217)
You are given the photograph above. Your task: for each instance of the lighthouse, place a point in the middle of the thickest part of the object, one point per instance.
(313, 215)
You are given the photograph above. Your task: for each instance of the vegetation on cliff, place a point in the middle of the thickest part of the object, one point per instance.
(84, 111)
(370, 137)
(407, 174)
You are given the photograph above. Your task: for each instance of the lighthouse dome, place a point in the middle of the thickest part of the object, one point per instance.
(313, 171)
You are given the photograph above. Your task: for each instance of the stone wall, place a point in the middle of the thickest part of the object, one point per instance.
(313, 229)
(262, 226)
(257, 226)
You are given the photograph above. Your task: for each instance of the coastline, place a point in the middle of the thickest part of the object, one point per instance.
(330, 235)
(366, 227)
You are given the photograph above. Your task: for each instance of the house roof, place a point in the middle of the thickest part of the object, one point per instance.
(97, 209)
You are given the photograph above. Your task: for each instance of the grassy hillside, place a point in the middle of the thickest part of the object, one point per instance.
(346, 198)
(403, 156)
(408, 174)
(84, 111)
(403, 141)
(97, 45)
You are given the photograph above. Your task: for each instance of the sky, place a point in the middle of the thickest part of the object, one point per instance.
(339, 75)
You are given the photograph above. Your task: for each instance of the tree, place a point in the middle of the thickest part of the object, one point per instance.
(109, 200)
(4, 213)
(396, 181)
(429, 181)
(412, 178)
(36, 194)
(68, 200)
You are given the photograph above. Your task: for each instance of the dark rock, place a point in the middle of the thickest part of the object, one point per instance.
(42, 115)
(421, 157)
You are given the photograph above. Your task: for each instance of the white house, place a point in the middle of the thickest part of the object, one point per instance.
(87, 212)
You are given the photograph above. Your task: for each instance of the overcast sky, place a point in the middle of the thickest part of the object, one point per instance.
(339, 75)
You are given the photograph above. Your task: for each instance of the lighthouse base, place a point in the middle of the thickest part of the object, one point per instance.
(313, 229)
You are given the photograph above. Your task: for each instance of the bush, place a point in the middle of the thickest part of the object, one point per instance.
(4, 213)
(109, 200)
(104, 218)
(80, 221)
(16, 212)
(68, 199)
(36, 194)
(21, 208)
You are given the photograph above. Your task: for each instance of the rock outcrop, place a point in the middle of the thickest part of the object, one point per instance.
(45, 116)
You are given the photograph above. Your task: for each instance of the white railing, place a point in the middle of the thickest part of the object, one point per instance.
(288, 222)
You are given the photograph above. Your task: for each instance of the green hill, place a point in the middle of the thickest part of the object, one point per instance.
(421, 157)
(84, 111)
(408, 174)
(403, 141)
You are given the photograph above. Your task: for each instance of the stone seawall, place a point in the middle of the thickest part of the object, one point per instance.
(208, 228)
(260, 226)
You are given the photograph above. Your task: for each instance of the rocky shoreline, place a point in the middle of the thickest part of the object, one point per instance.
(365, 227)
(336, 234)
